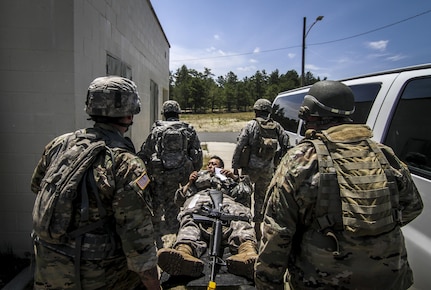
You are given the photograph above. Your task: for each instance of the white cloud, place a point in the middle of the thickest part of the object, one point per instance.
(212, 58)
(252, 60)
(216, 36)
(246, 69)
(256, 50)
(396, 57)
(221, 52)
(311, 67)
(211, 49)
(378, 45)
(291, 55)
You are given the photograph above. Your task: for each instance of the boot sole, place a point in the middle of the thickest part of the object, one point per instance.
(241, 268)
(175, 265)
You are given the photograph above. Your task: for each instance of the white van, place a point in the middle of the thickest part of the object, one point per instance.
(396, 105)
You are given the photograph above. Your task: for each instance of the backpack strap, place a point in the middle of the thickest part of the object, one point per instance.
(328, 203)
(391, 181)
(78, 234)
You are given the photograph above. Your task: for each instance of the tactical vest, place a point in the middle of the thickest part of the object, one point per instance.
(357, 191)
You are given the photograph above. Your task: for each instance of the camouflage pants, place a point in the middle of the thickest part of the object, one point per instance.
(197, 235)
(261, 180)
(164, 188)
(56, 271)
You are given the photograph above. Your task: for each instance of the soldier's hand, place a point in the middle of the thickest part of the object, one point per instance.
(193, 176)
(227, 173)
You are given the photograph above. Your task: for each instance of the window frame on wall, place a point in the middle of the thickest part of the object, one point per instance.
(115, 66)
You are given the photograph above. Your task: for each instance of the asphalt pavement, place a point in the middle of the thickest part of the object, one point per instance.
(221, 144)
(222, 149)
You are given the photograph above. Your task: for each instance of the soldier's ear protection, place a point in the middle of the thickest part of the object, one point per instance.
(304, 112)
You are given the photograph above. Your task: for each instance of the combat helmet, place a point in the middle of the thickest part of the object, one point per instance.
(112, 96)
(328, 99)
(171, 107)
(262, 105)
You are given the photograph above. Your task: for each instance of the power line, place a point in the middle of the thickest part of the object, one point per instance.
(373, 30)
(314, 44)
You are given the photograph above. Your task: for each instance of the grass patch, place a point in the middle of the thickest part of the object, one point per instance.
(240, 116)
(218, 122)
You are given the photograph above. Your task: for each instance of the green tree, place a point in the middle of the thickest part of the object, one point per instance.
(201, 91)
(230, 89)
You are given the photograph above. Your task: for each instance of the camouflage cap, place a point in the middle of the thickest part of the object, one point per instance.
(262, 105)
(112, 96)
(171, 106)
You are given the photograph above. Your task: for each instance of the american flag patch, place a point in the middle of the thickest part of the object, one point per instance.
(143, 180)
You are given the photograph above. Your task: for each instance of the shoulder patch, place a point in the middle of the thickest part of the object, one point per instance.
(142, 181)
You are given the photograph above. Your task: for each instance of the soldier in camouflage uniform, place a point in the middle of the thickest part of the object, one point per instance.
(259, 169)
(127, 259)
(333, 219)
(193, 237)
(166, 180)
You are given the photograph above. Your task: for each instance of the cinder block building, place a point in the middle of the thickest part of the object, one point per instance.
(50, 51)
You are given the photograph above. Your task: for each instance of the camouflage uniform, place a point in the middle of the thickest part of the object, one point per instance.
(166, 182)
(195, 234)
(291, 242)
(259, 170)
(123, 199)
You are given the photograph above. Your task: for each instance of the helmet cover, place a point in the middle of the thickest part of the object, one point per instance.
(171, 106)
(263, 105)
(112, 96)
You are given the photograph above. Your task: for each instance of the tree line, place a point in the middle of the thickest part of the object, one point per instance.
(201, 92)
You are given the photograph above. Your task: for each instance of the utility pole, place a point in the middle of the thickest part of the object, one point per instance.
(304, 36)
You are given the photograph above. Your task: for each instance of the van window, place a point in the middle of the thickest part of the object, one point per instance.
(365, 94)
(285, 111)
(409, 132)
(286, 108)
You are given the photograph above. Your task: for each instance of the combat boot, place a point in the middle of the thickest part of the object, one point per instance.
(242, 264)
(180, 261)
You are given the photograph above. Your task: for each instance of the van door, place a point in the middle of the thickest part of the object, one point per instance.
(406, 123)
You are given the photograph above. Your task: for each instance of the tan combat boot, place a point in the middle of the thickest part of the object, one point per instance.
(180, 261)
(242, 264)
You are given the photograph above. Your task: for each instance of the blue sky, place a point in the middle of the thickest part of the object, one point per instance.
(354, 37)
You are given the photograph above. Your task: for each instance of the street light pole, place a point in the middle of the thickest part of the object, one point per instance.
(304, 36)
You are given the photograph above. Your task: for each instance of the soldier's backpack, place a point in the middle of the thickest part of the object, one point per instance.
(360, 196)
(173, 145)
(53, 212)
(267, 138)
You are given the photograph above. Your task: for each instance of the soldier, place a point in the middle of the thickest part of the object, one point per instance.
(98, 234)
(171, 152)
(260, 145)
(193, 237)
(336, 205)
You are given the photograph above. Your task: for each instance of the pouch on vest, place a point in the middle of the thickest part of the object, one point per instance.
(244, 157)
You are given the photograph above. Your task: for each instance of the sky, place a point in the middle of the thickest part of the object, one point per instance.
(354, 37)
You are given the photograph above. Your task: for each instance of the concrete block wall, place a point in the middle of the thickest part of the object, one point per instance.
(49, 53)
